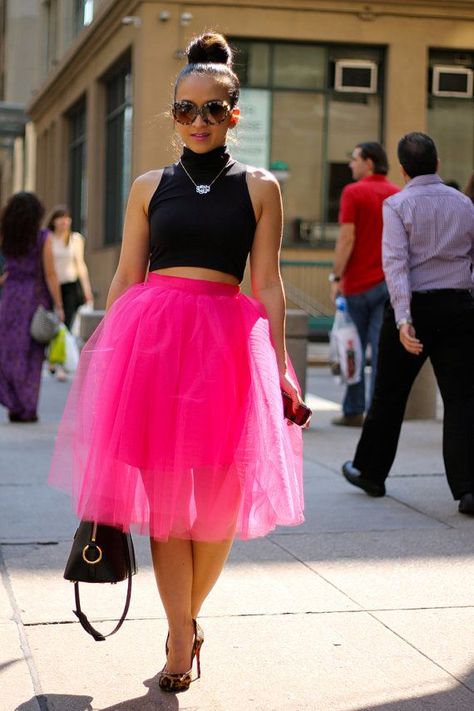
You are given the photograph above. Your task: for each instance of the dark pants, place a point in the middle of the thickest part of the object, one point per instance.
(366, 310)
(444, 323)
(72, 299)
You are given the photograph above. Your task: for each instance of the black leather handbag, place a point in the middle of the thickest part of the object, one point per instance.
(100, 554)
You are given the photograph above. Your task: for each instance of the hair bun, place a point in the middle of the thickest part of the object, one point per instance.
(209, 48)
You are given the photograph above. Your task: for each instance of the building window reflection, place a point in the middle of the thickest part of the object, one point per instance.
(118, 147)
(83, 14)
(312, 127)
(77, 186)
(451, 113)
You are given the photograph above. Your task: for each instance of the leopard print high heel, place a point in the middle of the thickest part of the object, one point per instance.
(181, 682)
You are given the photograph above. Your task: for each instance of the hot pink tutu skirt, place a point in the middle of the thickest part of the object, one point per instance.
(174, 423)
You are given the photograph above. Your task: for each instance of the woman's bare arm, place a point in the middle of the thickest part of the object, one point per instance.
(81, 265)
(51, 277)
(266, 280)
(135, 252)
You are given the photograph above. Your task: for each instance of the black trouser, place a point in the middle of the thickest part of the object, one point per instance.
(444, 323)
(71, 296)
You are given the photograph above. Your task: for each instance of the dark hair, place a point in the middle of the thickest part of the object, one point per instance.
(20, 223)
(469, 189)
(210, 54)
(417, 154)
(58, 211)
(377, 155)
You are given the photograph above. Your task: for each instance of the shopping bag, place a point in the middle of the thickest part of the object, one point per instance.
(76, 324)
(345, 346)
(57, 347)
(71, 359)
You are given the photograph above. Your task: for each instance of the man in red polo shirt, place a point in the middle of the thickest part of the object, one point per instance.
(357, 271)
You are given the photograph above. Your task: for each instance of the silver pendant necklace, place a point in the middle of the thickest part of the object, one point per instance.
(203, 189)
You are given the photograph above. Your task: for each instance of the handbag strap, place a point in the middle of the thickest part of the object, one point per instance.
(98, 636)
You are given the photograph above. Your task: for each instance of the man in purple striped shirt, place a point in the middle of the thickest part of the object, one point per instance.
(428, 254)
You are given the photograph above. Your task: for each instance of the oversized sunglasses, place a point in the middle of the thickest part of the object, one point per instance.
(211, 112)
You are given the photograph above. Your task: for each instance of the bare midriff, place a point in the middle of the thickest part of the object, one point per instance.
(198, 273)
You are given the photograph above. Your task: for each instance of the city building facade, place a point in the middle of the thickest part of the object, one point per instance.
(20, 39)
(318, 76)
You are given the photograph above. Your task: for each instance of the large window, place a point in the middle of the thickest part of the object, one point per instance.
(118, 147)
(451, 117)
(306, 129)
(77, 186)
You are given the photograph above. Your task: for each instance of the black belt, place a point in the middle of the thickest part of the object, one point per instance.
(443, 291)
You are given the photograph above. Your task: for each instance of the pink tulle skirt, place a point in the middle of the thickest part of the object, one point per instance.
(174, 423)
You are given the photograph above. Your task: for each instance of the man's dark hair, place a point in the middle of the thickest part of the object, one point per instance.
(417, 154)
(377, 155)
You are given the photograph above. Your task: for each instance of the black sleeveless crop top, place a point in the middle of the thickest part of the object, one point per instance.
(213, 230)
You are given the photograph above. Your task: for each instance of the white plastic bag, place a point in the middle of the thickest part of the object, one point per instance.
(345, 346)
(76, 324)
(72, 353)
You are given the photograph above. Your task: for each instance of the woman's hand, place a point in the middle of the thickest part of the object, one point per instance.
(289, 386)
(59, 311)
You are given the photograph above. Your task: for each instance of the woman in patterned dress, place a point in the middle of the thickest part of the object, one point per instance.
(31, 280)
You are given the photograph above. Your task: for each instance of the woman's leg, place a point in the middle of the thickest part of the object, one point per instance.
(173, 564)
(208, 562)
(69, 296)
(185, 571)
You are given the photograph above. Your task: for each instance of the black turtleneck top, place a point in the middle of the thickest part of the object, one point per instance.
(214, 230)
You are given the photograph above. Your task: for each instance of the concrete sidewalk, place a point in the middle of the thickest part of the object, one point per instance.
(369, 605)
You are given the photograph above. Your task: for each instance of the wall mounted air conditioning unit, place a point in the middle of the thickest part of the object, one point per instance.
(356, 75)
(452, 81)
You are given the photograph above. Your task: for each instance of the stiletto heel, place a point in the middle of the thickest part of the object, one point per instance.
(198, 642)
(198, 662)
(181, 682)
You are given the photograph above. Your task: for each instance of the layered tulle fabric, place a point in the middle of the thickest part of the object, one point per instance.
(174, 423)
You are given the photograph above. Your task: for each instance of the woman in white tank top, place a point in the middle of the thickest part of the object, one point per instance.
(71, 269)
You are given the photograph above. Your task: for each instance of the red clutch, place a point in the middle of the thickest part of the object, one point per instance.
(300, 415)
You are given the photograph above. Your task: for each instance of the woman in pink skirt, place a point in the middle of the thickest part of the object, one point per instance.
(174, 425)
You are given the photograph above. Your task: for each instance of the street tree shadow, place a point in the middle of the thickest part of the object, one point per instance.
(153, 700)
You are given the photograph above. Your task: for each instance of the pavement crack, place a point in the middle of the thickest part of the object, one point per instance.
(423, 654)
(279, 613)
(24, 644)
(329, 582)
(422, 513)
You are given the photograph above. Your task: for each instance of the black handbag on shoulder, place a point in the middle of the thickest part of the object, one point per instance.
(100, 554)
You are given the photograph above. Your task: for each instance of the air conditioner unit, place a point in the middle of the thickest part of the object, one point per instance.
(356, 75)
(452, 81)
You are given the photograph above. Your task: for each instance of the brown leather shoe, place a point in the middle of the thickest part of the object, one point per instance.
(349, 420)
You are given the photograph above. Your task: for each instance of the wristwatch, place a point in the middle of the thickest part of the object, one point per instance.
(333, 278)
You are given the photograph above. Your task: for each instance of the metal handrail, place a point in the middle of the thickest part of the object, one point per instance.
(311, 295)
